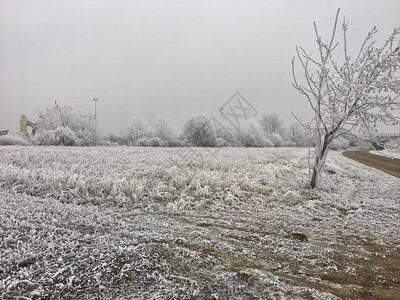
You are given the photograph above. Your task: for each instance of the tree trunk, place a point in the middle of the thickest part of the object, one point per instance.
(319, 161)
(315, 177)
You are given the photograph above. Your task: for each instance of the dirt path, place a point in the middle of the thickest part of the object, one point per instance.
(385, 164)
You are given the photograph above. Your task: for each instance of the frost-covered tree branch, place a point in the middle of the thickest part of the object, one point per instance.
(352, 96)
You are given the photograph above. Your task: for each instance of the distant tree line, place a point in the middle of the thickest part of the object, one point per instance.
(200, 131)
(60, 125)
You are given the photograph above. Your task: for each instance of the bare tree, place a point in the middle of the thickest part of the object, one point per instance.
(137, 129)
(164, 129)
(272, 124)
(350, 97)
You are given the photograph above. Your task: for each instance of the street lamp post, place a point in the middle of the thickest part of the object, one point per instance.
(222, 114)
(95, 108)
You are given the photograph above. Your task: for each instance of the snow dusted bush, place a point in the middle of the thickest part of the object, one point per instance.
(62, 136)
(112, 139)
(14, 139)
(340, 143)
(220, 142)
(395, 143)
(226, 136)
(87, 134)
(65, 136)
(45, 138)
(199, 131)
(276, 139)
(108, 143)
(143, 142)
(297, 136)
(250, 134)
(353, 141)
(151, 142)
(83, 127)
(268, 143)
(156, 142)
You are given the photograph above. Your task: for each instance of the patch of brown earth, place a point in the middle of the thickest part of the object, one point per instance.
(370, 273)
(382, 163)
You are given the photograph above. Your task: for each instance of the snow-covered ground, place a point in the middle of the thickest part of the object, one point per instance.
(151, 223)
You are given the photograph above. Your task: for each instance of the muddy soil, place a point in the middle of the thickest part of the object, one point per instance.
(382, 163)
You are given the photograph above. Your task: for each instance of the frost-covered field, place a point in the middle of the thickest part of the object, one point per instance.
(150, 223)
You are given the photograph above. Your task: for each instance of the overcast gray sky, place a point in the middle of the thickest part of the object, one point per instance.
(143, 58)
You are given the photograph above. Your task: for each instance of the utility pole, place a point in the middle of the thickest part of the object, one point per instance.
(95, 108)
(222, 114)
